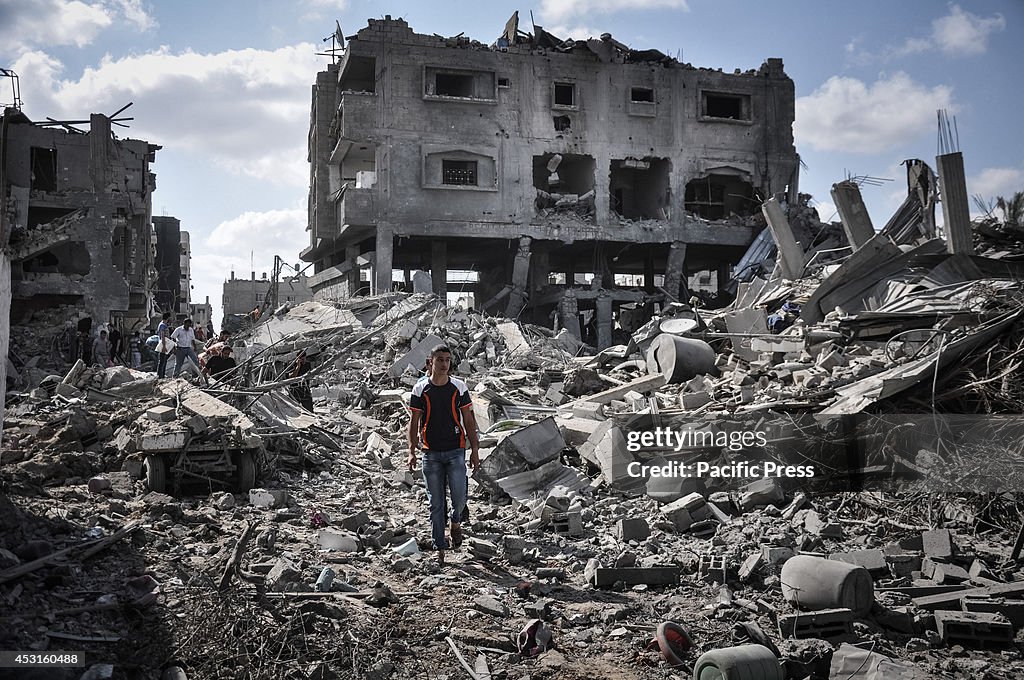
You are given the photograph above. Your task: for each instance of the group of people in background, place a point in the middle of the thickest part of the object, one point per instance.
(214, 359)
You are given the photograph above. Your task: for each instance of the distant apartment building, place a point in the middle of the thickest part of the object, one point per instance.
(201, 313)
(185, 269)
(241, 296)
(547, 167)
(172, 266)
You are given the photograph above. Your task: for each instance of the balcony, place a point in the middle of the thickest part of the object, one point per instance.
(354, 206)
(357, 115)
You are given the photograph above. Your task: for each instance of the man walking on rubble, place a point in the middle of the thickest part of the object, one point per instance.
(101, 350)
(441, 421)
(184, 337)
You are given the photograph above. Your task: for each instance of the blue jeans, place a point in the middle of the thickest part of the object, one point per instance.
(444, 469)
(180, 354)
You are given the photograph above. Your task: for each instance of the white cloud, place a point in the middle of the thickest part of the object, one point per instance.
(992, 182)
(561, 10)
(245, 109)
(845, 114)
(574, 32)
(252, 237)
(961, 32)
(24, 25)
(275, 230)
(135, 14)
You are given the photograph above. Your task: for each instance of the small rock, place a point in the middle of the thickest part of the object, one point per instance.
(224, 501)
(490, 605)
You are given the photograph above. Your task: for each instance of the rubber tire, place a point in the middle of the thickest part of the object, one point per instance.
(246, 471)
(673, 640)
(155, 468)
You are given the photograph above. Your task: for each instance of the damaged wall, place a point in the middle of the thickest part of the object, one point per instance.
(80, 225)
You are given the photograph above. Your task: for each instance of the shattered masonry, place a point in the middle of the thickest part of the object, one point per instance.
(78, 212)
(537, 161)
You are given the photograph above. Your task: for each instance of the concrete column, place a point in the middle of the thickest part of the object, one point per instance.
(352, 277)
(723, 276)
(384, 259)
(99, 151)
(570, 273)
(604, 321)
(520, 279)
(649, 272)
(568, 310)
(674, 268)
(540, 267)
(853, 213)
(439, 268)
(791, 255)
(955, 211)
(607, 271)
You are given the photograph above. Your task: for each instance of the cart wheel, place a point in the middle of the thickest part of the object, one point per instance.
(674, 641)
(246, 468)
(156, 473)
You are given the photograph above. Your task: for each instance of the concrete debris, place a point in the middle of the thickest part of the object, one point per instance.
(271, 481)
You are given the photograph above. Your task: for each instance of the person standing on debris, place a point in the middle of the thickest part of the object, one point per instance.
(184, 337)
(165, 325)
(101, 350)
(219, 365)
(135, 350)
(224, 337)
(116, 350)
(300, 390)
(441, 421)
(164, 347)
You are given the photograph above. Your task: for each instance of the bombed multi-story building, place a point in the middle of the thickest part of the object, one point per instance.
(77, 221)
(549, 168)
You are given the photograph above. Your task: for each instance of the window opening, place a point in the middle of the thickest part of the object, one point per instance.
(453, 85)
(565, 94)
(44, 169)
(458, 173)
(641, 94)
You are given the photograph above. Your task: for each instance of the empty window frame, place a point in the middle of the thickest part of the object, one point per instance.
(461, 84)
(564, 94)
(453, 84)
(44, 169)
(725, 106)
(641, 95)
(459, 173)
(504, 82)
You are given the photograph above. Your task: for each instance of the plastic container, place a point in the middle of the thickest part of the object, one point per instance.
(679, 359)
(816, 583)
(745, 662)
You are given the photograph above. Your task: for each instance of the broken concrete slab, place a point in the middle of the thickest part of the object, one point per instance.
(416, 357)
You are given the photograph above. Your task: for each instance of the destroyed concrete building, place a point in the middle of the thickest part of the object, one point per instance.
(77, 214)
(538, 164)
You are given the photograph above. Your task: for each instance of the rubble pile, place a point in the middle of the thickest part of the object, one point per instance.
(220, 529)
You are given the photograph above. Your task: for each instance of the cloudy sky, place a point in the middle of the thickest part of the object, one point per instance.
(225, 87)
